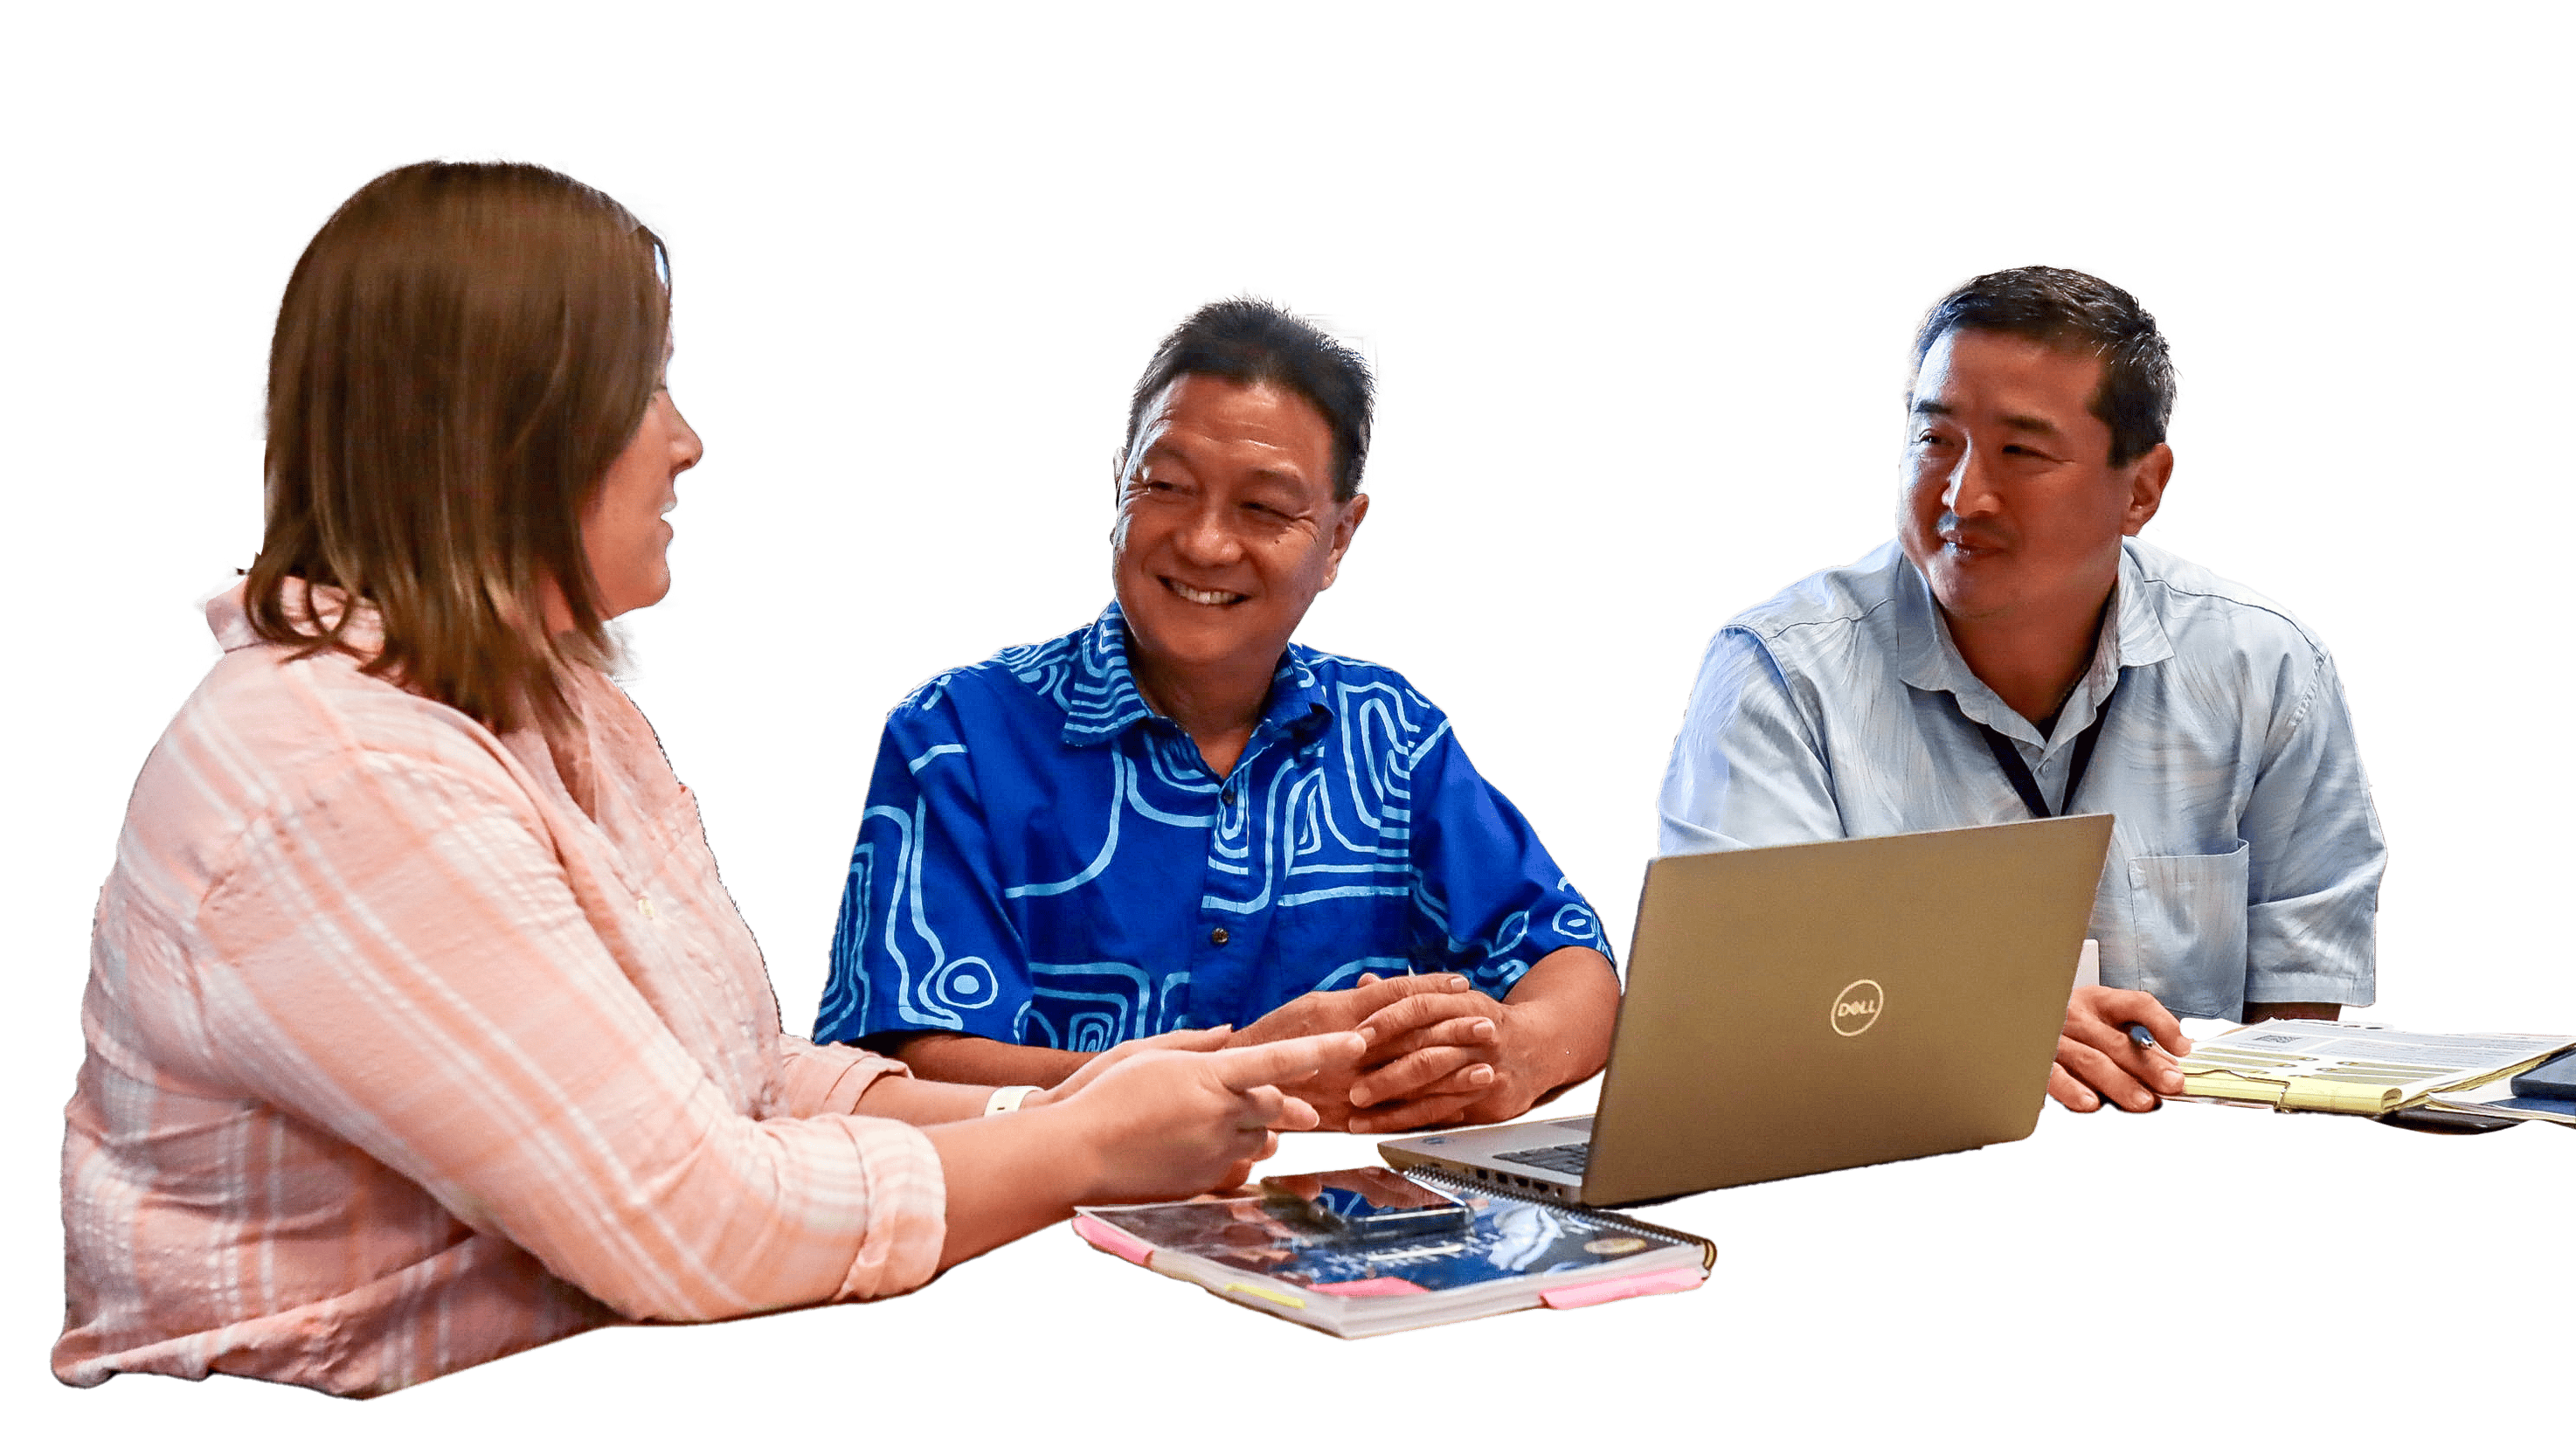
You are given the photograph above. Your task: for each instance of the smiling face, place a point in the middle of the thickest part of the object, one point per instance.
(623, 534)
(1227, 527)
(2008, 502)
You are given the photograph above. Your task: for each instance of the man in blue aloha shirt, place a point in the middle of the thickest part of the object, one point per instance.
(1174, 820)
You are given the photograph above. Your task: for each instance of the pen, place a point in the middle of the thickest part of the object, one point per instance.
(2145, 1038)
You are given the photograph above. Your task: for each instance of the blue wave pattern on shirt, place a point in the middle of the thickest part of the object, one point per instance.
(1044, 860)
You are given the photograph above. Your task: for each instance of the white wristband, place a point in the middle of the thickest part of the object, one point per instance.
(1006, 1098)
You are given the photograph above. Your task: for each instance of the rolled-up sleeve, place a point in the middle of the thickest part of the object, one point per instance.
(1746, 770)
(824, 1080)
(400, 959)
(2315, 857)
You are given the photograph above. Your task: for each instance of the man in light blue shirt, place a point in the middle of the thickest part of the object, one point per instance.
(2014, 652)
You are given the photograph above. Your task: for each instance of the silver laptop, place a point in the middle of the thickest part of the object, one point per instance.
(1811, 1007)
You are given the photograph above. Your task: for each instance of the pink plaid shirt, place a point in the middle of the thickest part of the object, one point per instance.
(411, 1046)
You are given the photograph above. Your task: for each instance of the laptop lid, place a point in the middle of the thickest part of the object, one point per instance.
(1821, 1005)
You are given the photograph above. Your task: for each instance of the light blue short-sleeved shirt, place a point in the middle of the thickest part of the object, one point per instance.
(2246, 857)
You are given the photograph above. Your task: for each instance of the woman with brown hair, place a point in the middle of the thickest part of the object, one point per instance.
(420, 1027)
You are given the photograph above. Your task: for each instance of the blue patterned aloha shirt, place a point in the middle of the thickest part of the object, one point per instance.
(1045, 861)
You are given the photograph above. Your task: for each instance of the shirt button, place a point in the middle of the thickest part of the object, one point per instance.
(1226, 797)
(1218, 936)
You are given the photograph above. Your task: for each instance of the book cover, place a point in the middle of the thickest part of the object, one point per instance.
(1513, 1253)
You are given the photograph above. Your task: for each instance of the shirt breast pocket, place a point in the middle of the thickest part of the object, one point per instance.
(2188, 912)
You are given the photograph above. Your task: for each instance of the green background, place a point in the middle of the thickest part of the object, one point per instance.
(1642, 285)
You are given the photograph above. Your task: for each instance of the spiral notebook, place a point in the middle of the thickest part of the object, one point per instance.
(1514, 1253)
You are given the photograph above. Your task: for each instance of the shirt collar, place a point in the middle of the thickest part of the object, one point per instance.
(1105, 701)
(2133, 634)
(307, 608)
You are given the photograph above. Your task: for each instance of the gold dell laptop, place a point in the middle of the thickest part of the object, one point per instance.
(1816, 1006)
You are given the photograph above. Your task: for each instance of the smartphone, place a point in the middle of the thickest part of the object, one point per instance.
(1368, 1204)
(2554, 1079)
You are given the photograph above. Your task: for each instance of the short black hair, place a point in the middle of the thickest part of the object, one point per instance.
(2068, 309)
(1249, 341)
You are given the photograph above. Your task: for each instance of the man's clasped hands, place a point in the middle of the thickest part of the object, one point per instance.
(1432, 1051)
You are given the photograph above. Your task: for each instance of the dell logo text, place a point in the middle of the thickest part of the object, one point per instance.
(1856, 1007)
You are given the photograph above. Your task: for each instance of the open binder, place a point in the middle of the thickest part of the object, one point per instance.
(1516, 1252)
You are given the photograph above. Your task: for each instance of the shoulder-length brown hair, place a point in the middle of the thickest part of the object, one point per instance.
(462, 351)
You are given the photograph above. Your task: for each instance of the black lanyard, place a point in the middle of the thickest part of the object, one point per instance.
(2017, 772)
